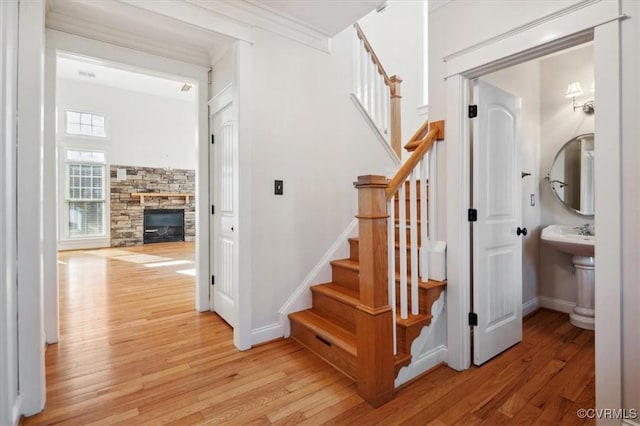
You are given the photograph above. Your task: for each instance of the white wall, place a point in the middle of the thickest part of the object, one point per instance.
(560, 124)
(222, 72)
(307, 132)
(144, 130)
(8, 302)
(524, 81)
(631, 207)
(395, 36)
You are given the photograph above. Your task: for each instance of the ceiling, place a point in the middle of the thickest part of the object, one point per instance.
(93, 72)
(195, 31)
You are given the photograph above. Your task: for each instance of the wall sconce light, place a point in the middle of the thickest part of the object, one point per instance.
(574, 90)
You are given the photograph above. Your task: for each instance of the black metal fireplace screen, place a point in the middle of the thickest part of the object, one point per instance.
(163, 225)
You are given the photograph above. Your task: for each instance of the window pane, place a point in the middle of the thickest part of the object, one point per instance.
(98, 131)
(97, 120)
(73, 117)
(85, 118)
(86, 218)
(73, 128)
(85, 129)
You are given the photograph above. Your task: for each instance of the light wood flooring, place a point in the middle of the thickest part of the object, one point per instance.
(133, 351)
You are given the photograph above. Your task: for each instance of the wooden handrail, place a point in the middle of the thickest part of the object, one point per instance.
(374, 57)
(417, 137)
(436, 132)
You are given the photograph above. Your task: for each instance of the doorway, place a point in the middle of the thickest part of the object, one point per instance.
(194, 80)
(548, 121)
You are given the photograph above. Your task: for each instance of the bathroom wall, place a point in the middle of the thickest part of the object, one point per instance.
(558, 124)
(524, 81)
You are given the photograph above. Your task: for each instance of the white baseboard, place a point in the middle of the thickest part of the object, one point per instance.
(87, 244)
(266, 333)
(556, 304)
(423, 363)
(300, 299)
(530, 306)
(630, 422)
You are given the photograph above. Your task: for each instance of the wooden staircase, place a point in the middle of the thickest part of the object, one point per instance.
(350, 324)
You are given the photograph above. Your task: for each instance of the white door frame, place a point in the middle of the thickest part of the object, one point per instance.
(601, 19)
(194, 74)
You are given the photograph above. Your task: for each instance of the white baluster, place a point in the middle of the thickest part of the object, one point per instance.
(413, 228)
(364, 58)
(357, 58)
(381, 88)
(402, 223)
(391, 256)
(387, 112)
(424, 205)
(372, 88)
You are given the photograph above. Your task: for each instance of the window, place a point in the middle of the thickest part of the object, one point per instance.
(85, 194)
(85, 124)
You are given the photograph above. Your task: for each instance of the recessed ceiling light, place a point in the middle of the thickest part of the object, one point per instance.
(86, 74)
(186, 87)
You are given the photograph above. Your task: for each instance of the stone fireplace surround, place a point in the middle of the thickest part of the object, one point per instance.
(127, 212)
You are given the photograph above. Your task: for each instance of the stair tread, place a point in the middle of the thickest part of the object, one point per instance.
(402, 358)
(412, 319)
(327, 329)
(338, 292)
(352, 264)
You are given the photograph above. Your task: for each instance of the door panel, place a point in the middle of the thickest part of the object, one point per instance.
(223, 250)
(497, 249)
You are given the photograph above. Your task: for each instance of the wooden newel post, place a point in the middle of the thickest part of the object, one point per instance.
(375, 360)
(395, 120)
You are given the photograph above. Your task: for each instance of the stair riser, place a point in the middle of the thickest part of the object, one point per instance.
(342, 314)
(354, 247)
(406, 335)
(338, 358)
(407, 210)
(346, 277)
(408, 232)
(426, 297)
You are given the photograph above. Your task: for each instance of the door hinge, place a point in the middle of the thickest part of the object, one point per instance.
(472, 215)
(213, 209)
(473, 111)
(213, 139)
(213, 279)
(473, 318)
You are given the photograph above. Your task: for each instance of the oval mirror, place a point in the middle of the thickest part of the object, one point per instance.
(572, 175)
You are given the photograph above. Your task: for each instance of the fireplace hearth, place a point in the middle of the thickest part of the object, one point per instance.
(163, 225)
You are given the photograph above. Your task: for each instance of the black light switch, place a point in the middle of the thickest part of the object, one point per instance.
(278, 187)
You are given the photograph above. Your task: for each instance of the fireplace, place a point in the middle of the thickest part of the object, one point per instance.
(163, 225)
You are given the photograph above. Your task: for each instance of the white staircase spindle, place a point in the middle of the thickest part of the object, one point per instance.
(413, 228)
(391, 244)
(363, 79)
(424, 205)
(402, 224)
(357, 59)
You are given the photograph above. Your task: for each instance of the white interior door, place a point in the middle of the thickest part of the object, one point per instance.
(224, 257)
(497, 245)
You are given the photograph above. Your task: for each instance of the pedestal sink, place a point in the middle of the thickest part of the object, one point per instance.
(568, 239)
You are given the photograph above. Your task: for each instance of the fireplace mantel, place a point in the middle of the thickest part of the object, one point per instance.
(186, 195)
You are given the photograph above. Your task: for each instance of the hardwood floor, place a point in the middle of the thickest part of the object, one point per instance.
(133, 351)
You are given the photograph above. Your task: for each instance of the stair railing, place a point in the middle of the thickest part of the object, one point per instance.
(412, 181)
(378, 94)
(375, 313)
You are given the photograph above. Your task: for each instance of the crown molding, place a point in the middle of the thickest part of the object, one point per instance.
(181, 52)
(235, 19)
